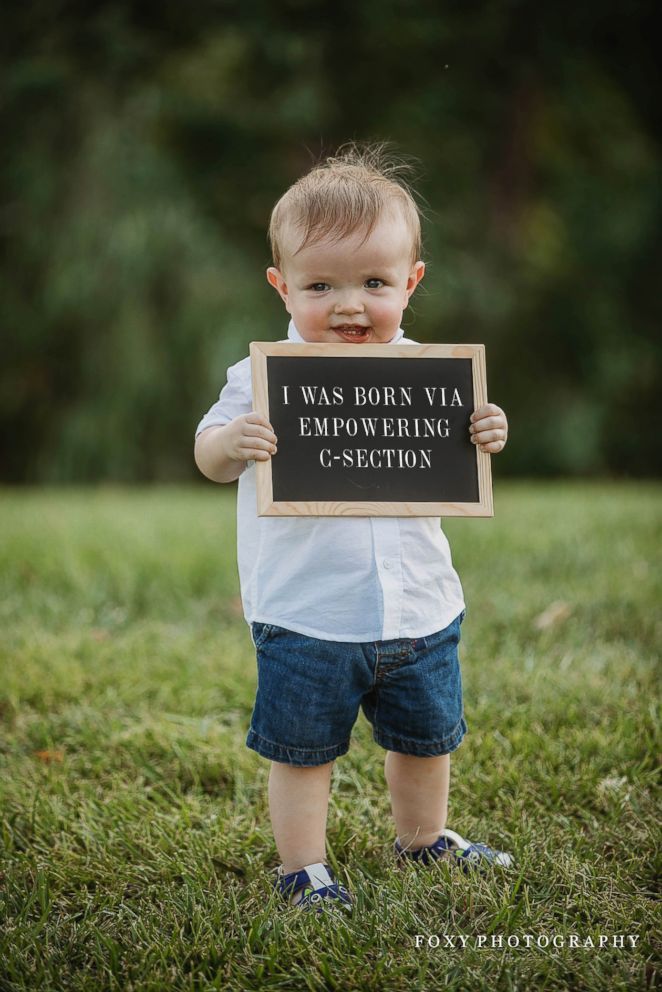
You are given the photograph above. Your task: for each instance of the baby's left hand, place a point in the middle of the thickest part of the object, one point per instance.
(489, 428)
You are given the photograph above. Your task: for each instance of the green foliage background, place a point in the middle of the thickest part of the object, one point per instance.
(145, 146)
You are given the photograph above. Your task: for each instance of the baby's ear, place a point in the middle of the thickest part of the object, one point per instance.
(415, 276)
(275, 279)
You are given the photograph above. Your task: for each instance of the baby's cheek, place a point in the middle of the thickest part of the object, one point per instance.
(386, 313)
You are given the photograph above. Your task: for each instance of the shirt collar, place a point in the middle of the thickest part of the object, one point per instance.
(293, 335)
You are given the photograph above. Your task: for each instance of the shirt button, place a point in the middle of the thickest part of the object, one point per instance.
(386, 563)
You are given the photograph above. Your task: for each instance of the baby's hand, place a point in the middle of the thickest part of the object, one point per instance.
(489, 428)
(250, 437)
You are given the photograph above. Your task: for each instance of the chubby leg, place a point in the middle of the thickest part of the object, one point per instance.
(419, 796)
(298, 803)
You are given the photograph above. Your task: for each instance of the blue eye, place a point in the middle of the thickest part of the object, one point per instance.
(370, 283)
(319, 287)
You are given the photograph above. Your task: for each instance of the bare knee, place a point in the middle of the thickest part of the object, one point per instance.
(412, 764)
(308, 776)
(285, 767)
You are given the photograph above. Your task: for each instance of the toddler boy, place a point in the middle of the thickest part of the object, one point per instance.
(346, 611)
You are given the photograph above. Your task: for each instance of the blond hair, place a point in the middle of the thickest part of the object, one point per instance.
(346, 193)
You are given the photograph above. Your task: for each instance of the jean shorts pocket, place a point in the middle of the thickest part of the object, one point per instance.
(446, 634)
(260, 632)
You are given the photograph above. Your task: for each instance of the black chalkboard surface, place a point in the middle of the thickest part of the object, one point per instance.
(379, 430)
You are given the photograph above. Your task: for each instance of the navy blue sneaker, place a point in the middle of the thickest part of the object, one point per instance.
(321, 892)
(457, 850)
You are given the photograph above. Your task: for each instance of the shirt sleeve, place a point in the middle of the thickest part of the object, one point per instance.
(235, 398)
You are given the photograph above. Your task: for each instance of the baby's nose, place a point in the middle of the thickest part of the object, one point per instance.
(349, 304)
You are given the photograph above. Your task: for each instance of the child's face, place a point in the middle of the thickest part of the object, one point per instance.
(350, 291)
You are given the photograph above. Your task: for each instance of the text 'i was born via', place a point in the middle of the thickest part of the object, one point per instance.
(373, 395)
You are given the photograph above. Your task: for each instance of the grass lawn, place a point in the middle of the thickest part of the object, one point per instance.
(136, 850)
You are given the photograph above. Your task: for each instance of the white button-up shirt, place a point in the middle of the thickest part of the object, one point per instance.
(336, 578)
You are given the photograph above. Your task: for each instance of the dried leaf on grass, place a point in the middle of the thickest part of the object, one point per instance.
(48, 756)
(555, 613)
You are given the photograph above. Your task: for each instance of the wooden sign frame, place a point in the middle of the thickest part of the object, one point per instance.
(260, 351)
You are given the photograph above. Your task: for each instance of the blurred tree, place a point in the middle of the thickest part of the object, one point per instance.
(143, 151)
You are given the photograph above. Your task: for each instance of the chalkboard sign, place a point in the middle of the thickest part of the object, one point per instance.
(371, 430)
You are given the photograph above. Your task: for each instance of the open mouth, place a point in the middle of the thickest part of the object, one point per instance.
(353, 332)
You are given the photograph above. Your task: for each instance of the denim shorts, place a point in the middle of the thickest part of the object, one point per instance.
(309, 692)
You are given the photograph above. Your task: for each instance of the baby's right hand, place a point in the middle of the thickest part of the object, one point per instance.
(250, 437)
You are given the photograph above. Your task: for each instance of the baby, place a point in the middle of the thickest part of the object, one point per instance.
(346, 612)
